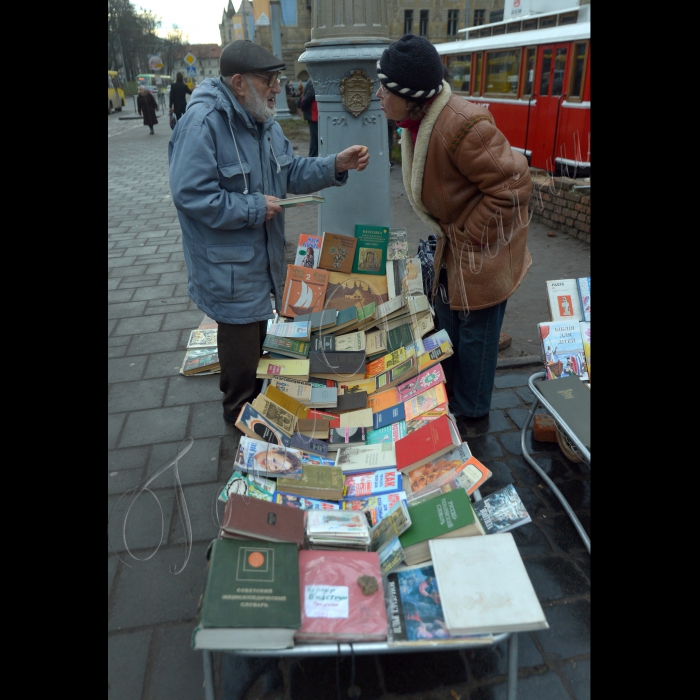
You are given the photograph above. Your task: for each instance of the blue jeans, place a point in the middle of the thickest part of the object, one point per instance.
(470, 372)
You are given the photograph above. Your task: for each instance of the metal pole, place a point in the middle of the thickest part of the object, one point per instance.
(512, 666)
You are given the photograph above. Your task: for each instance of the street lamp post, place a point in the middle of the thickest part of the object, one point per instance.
(347, 40)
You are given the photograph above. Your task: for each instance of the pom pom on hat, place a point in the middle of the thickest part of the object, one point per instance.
(244, 56)
(411, 68)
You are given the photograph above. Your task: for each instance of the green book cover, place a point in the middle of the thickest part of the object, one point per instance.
(371, 251)
(314, 476)
(436, 516)
(251, 583)
(286, 346)
(399, 337)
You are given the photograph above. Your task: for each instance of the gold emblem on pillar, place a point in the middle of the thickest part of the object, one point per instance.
(356, 92)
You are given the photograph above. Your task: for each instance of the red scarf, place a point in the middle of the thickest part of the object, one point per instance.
(414, 124)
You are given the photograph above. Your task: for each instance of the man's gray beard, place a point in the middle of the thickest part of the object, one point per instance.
(256, 105)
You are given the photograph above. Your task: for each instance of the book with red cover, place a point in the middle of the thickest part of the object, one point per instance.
(304, 290)
(253, 518)
(426, 444)
(334, 607)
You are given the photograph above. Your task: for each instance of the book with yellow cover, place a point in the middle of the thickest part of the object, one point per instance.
(269, 367)
(287, 402)
(386, 362)
(425, 401)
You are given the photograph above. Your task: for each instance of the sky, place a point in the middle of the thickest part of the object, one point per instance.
(199, 19)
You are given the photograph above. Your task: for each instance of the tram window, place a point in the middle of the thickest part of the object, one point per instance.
(546, 70)
(460, 68)
(499, 30)
(547, 22)
(478, 62)
(529, 77)
(513, 27)
(576, 91)
(502, 72)
(568, 18)
(559, 68)
(529, 24)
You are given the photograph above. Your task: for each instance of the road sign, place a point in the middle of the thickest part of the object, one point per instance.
(155, 62)
(189, 59)
(191, 70)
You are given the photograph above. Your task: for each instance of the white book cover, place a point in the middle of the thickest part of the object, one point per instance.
(403, 277)
(563, 299)
(364, 458)
(484, 586)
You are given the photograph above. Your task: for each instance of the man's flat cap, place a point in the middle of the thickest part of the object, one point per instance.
(244, 56)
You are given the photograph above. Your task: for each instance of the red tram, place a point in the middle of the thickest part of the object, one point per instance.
(534, 74)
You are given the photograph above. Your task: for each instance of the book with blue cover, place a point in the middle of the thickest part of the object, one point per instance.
(389, 433)
(388, 416)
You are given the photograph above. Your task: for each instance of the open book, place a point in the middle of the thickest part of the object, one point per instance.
(299, 200)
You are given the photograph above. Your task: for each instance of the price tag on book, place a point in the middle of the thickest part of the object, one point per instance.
(326, 601)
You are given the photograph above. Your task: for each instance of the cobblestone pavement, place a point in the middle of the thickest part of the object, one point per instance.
(154, 586)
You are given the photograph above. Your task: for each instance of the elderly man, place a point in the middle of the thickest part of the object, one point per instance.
(229, 164)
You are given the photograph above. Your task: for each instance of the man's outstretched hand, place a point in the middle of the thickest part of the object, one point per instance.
(353, 158)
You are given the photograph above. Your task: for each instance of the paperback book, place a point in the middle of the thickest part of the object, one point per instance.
(266, 459)
(251, 485)
(287, 347)
(365, 458)
(256, 426)
(583, 285)
(424, 381)
(394, 523)
(308, 250)
(403, 277)
(372, 483)
(398, 244)
(340, 437)
(563, 299)
(375, 507)
(269, 368)
(304, 291)
(371, 252)
(501, 511)
(337, 530)
(299, 330)
(303, 503)
(201, 361)
(337, 252)
(389, 433)
(562, 349)
(468, 476)
(299, 200)
(202, 338)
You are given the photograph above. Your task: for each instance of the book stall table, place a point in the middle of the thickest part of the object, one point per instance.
(345, 649)
(580, 448)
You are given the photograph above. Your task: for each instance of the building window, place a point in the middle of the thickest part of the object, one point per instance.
(452, 22)
(479, 17)
(423, 29)
(496, 16)
(408, 21)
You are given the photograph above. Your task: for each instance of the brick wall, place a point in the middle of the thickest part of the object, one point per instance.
(559, 206)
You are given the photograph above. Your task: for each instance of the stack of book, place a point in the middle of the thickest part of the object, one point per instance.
(202, 355)
(351, 464)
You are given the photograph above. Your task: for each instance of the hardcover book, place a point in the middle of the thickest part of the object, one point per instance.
(308, 250)
(396, 375)
(323, 397)
(387, 416)
(385, 362)
(426, 444)
(563, 299)
(203, 338)
(281, 417)
(313, 428)
(375, 507)
(338, 366)
(389, 433)
(398, 337)
(376, 342)
(390, 309)
(350, 402)
(317, 481)
(571, 399)
(303, 503)
(288, 403)
(350, 289)
(424, 381)
(282, 368)
(360, 418)
(262, 520)
(319, 320)
(337, 252)
(339, 437)
(371, 252)
(241, 574)
(447, 515)
(266, 459)
(346, 319)
(490, 570)
(301, 391)
(364, 458)
(348, 342)
(341, 597)
(300, 200)
(337, 529)
(585, 327)
(299, 330)
(398, 244)
(383, 399)
(288, 347)
(304, 291)
(562, 350)
(403, 277)
(312, 445)
(425, 401)
(501, 511)
(583, 285)
(256, 426)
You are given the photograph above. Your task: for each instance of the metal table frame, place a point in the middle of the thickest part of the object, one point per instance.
(580, 447)
(345, 649)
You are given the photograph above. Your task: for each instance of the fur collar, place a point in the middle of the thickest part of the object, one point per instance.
(413, 163)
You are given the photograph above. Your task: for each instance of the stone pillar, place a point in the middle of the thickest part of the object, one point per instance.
(347, 39)
(275, 23)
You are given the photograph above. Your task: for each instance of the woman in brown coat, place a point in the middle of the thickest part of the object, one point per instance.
(148, 107)
(467, 184)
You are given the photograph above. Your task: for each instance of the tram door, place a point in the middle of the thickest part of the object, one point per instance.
(552, 69)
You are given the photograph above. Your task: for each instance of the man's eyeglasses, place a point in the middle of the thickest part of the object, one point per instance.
(271, 80)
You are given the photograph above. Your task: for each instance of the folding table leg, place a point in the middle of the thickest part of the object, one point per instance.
(512, 666)
(209, 675)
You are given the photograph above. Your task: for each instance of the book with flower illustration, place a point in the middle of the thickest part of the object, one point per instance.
(337, 252)
(304, 290)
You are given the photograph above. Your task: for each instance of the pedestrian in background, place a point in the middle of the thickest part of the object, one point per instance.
(178, 96)
(147, 106)
(473, 191)
(309, 107)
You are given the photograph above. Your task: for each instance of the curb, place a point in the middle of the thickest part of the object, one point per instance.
(518, 361)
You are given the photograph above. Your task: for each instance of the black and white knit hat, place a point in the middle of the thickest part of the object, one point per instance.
(411, 68)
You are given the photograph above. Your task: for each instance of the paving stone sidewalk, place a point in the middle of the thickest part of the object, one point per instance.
(155, 584)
